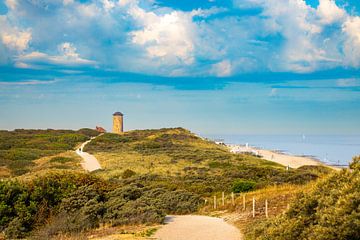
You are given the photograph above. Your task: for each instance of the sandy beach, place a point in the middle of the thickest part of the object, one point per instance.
(281, 158)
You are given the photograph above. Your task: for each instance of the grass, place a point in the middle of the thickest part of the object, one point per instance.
(66, 160)
(20, 148)
(178, 157)
(146, 174)
(279, 198)
(106, 232)
(328, 209)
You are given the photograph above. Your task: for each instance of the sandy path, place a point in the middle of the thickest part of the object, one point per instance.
(283, 159)
(90, 162)
(192, 227)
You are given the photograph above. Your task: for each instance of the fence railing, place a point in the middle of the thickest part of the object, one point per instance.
(230, 200)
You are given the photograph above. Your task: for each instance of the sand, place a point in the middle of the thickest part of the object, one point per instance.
(90, 162)
(193, 227)
(281, 158)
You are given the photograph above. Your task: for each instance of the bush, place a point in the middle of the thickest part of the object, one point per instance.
(61, 159)
(64, 202)
(128, 173)
(331, 210)
(26, 205)
(19, 148)
(243, 186)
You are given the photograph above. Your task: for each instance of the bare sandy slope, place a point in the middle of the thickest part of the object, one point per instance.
(283, 159)
(90, 163)
(192, 227)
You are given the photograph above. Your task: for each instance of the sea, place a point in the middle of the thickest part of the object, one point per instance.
(330, 149)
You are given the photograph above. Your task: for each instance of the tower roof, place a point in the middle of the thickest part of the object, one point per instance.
(118, 114)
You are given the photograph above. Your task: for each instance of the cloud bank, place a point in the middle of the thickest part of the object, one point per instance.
(142, 36)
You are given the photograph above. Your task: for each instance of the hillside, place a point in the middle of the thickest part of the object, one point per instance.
(20, 148)
(328, 210)
(147, 174)
(178, 157)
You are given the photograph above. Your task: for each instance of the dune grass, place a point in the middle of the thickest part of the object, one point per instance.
(146, 174)
(20, 148)
(176, 156)
(328, 209)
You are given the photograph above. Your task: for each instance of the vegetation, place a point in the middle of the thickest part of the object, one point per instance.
(328, 210)
(19, 148)
(146, 174)
(243, 186)
(60, 202)
(177, 158)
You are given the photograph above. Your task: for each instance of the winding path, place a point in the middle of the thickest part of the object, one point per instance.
(193, 227)
(90, 162)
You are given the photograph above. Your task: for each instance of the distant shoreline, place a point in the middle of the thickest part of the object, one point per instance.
(280, 157)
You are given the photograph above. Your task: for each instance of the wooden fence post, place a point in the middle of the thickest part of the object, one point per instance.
(266, 208)
(244, 205)
(232, 199)
(214, 202)
(253, 209)
(223, 198)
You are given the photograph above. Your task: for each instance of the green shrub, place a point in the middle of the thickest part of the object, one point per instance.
(128, 173)
(65, 202)
(19, 148)
(25, 205)
(61, 159)
(243, 186)
(217, 164)
(331, 210)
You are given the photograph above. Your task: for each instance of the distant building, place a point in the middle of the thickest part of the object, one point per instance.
(219, 141)
(118, 123)
(100, 129)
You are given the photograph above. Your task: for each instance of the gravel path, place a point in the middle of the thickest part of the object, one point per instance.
(90, 162)
(191, 227)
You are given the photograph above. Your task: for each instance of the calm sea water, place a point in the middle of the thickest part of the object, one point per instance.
(331, 149)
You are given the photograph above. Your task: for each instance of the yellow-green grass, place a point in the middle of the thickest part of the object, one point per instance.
(278, 197)
(178, 155)
(136, 232)
(68, 160)
(4, 172)
(20, 148)
(114, 164)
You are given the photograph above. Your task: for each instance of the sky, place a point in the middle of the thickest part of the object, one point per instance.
(214, 67)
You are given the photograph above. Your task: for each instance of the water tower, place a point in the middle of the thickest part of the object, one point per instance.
(118, 123)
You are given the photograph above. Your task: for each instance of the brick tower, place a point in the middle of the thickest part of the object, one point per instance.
(118, 123)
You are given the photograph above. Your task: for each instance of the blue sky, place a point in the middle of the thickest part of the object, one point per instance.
(215, 67)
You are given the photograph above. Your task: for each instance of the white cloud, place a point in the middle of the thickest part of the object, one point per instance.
(307, 46)
(68, 2)
(11, 3)
(17, 40)
(222, 69)
(329, 12)
(108, 5)
(141, 36)
(167, 37)
(123, 3)
(352, 42)
(29, 82)
(13, 38)
(67, 57)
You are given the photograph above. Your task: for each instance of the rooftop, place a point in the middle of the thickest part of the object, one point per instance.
(118, 114)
